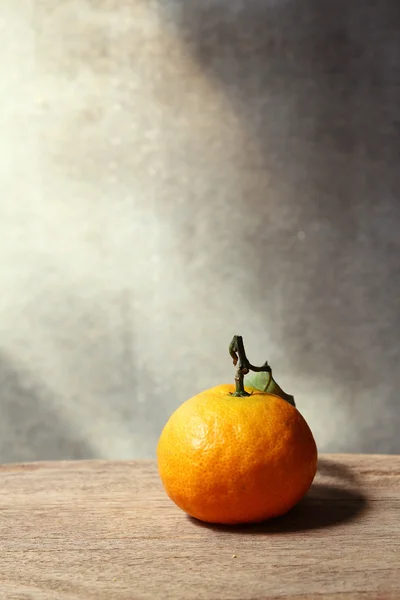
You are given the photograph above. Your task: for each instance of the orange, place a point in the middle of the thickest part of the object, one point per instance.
(226, 459)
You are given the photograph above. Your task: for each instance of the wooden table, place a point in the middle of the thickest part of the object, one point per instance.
(105, 530)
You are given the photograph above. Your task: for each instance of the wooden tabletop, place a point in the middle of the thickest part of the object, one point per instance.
(106, 531)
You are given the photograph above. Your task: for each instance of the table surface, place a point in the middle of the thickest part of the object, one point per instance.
(106, 531)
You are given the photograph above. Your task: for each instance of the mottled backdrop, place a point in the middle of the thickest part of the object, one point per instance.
(173, 172)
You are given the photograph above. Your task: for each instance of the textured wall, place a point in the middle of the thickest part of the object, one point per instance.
(173, 172)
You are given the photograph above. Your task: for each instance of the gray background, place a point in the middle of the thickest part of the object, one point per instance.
(173, 172)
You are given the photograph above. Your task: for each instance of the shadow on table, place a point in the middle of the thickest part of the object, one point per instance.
(327, 504)
(337, 471)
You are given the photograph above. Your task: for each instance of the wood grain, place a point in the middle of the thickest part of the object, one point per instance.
(105, 530)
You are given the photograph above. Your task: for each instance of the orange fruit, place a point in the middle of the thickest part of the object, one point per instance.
(226, 459)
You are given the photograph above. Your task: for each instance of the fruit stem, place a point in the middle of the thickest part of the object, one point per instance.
(242, 364)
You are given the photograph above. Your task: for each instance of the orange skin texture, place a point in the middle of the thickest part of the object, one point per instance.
(233, 460)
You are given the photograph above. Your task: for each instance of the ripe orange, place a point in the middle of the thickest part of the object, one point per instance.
(226, 459)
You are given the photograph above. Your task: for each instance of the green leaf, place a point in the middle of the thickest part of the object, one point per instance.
(266, 383)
